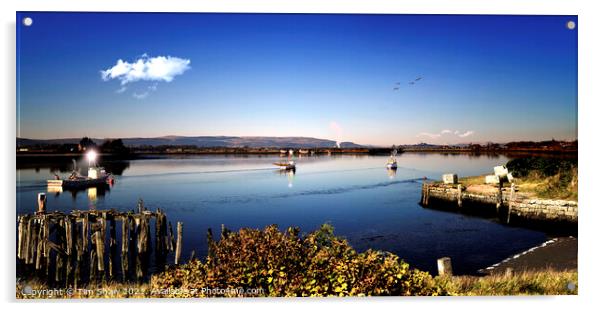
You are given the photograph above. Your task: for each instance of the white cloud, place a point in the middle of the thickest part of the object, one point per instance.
(121, 90)
(446, 132)
(160, 68)
(140, 95)
(466, 134)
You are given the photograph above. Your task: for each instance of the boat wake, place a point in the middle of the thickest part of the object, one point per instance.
(340, 190)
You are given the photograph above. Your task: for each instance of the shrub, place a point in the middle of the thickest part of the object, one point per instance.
(557, 177)
(276, 263)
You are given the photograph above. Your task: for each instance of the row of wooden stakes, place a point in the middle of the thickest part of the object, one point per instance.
(71, 248)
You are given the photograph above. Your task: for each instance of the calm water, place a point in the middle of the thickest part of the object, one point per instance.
(371, 207)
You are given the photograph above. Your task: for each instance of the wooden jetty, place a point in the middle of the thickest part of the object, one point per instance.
(83, 246)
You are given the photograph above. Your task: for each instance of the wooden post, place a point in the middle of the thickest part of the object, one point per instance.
(85, 232)
(112, 245)
(125, 238)
(171, 238)
(158, 237)
(509, 272)
(47, 223)
(93, 257)
(444, 266)
(459, 195)
(41, 203)
(39, 246)
(68, 248)
(178, 244)
(27, 233)
(58, 273)
(100, 250)
(224, 232)
(20, 237)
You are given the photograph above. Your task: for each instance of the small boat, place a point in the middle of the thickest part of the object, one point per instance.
(303, 151)
(283, 151)
(97, 176)
(392, 163)
(290, 165)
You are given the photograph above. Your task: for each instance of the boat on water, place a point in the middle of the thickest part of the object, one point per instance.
(303, 151)
(392, 163)
(286, 165)
(97, 176)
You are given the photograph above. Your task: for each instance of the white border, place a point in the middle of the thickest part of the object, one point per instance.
(590, 71)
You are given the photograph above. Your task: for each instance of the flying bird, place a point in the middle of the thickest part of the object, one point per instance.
(415, 80)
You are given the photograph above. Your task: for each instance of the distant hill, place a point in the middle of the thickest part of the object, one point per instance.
(206, 141)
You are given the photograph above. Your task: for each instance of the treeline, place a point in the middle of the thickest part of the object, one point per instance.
(109, 146)
(541, 146)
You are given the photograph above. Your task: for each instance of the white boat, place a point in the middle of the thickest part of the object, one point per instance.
(96, 177)
(392, 163)
(290, 165)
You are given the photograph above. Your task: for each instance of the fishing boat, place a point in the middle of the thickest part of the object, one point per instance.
(392, 163)
(97, 176)
(288, 165)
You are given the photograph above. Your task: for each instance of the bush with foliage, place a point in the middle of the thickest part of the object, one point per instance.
(543, 166)
(558, 176)
(276, 263)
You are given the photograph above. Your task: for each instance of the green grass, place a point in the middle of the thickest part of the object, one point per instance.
(546, 282)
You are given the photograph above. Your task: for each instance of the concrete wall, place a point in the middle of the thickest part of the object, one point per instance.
(518, 205)
(559, 210)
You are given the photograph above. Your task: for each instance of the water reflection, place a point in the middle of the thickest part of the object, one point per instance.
(93, 193)
(391, 172)
(290, 175)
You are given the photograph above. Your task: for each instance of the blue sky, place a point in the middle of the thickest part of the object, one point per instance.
(484, 78)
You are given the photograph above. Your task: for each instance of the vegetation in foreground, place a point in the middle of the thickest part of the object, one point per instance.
(546, 282)
(271, 263)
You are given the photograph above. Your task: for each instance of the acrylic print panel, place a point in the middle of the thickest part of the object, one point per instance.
(252, 155)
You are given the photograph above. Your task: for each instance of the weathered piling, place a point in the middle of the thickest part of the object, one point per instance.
(179, 244)
(459, 195)
(77, 247)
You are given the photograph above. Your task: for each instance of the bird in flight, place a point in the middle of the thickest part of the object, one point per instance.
(414, 81)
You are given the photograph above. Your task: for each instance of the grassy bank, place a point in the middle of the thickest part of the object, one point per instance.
(546, 282)
(544, 178)
(273, 263)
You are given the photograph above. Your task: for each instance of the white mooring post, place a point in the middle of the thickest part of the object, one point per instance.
(444, 266)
